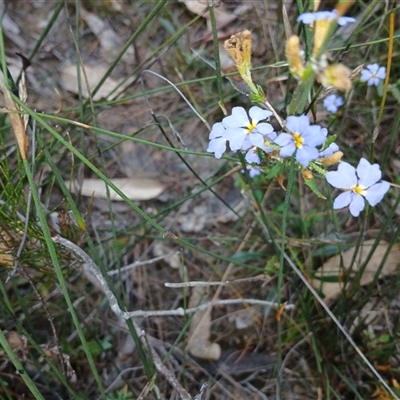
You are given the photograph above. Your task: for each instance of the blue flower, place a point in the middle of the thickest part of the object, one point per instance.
(303, 139)
(264, 144)
(333, 102)
(373, 74)
(310, 17)
(252, 171)
(241, 131)
(244, 131)
(358, 184)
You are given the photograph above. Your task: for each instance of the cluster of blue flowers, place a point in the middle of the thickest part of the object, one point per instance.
(309, 144)
(250, 133)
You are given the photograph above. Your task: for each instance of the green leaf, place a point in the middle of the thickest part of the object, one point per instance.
(274, 171)
(313, 186)
(329, 140)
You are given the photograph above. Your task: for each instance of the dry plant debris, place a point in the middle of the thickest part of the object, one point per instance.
(135, 189)
(339, 266)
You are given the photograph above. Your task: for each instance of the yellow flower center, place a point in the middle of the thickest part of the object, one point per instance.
(358, 189)
(298, 140)
(250, 126)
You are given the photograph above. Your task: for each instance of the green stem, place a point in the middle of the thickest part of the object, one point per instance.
(286, 206)
(59, 274)
(19, 367)
(216, 53)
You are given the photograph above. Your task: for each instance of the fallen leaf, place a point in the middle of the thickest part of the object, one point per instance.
(222, 16)
(199, 344)
(134, 188)
(16, 121)
(111, 43)
(171, 257)
(69, 81)
(333, 270)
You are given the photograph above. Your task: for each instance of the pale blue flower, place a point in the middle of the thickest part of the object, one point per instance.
(302, 140)
(245, 130)
(358, 184)
(343, 21)
(310, 17)
(252, 171)
(373, 74)
(333, 102)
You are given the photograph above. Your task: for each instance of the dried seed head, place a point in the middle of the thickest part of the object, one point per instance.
(294, 56)
(321, 29)
(239, 48)
(307, 174)
(332, 159)
(338, 76)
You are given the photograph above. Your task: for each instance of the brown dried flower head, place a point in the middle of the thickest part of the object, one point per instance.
(294, 56)
(332, 159)
(338, 76)
(239, 48)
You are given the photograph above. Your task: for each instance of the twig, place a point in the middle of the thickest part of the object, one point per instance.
(182, 311)
(94, 270)
(140, 263)
(204, 283)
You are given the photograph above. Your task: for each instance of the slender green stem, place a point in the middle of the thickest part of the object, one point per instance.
(285, 214)
(59, 274)
(19, 367)
(216, 52)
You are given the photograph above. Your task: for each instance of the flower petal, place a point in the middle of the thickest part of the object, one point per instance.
(256, 139)
(237, 119)
(236, 138)
(344, 178)
(217, 130)
(365, 75)
(314, 135)
(306, 18)
(343, 200)
(217, 146)
(288, 150)
(252, 156)
(332, 148)
(284, 139)
(297, 124)
(357, 205)
(368, 174)
(258, 114)
(375, 193)
(264, 128)
(306, 154)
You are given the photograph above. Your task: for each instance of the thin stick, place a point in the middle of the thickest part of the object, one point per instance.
(204, 283)
(140, 263)
(94, 270)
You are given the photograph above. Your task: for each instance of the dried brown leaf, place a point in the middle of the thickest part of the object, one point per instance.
(134, 188)
(69, 81)
(16, 121)
(200, 330)
(333, 268)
